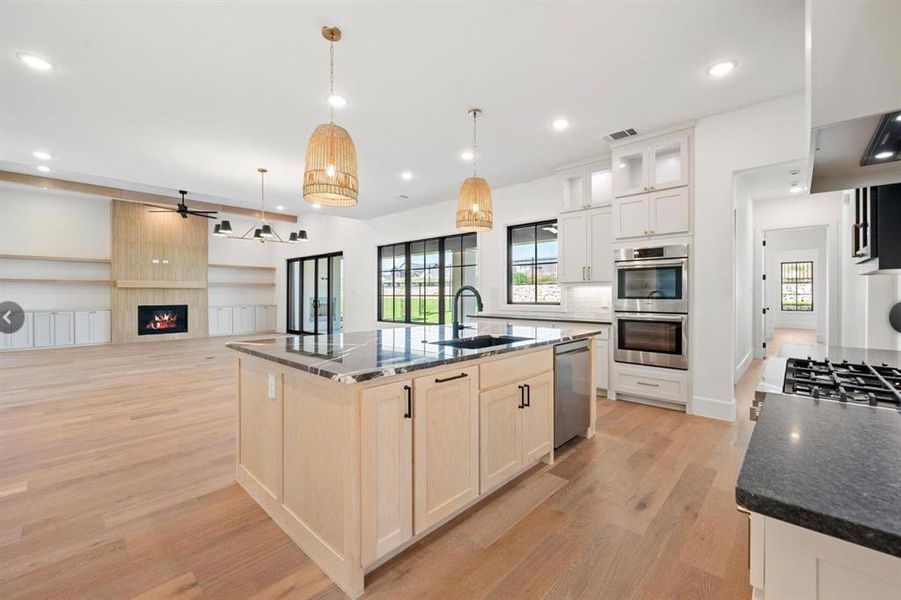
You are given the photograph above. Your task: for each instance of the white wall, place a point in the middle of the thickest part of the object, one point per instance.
(744, 277)
(766, 133)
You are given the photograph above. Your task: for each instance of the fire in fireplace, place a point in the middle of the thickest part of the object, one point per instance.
(157, 319)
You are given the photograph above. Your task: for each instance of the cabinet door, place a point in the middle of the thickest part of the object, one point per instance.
(224, 318)
(538, 417)
(668, 162)
(261, 318)
(100, 327)
(43, 329)
(630, 217)
(445, 444)
(387, 468)
(601, 182)
(247, 319)
(500, 432)
(63, 328)
(573, 189)
(669, 211)
(630, 171)
(82, 327)
(573, 243)
(602, 364)
(213, 317)
(600, 227)
(24, 337)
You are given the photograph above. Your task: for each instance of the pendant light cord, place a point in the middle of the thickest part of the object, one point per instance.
(331, 78)
(262, 197)
(475, 115)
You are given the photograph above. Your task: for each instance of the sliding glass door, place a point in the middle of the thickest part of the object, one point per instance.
(316, 294)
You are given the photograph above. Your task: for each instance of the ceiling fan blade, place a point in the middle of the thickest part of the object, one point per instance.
(163, 210)
(197, 214)
(206, 212)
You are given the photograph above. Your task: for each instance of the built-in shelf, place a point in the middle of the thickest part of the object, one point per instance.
(248, 267)
(54, 280)
(77, 259)
(242, 283)
(148, 284)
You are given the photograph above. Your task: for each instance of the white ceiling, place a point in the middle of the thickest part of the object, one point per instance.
(197, 95)
(775, 181)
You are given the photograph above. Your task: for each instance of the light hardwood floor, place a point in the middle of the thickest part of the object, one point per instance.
(117, 481)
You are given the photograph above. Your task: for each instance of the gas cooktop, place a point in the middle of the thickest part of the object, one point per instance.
(856, 383)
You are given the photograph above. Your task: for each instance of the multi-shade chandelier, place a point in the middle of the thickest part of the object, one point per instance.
(260, 232)
(474, 203)
(330, 171)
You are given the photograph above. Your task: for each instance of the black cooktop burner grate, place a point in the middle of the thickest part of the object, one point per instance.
(859, 383)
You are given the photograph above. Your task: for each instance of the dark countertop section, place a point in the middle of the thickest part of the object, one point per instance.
(352, 357)
(827, 466)
(563, 319)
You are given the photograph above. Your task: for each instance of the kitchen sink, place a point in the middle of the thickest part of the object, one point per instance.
(482, 341)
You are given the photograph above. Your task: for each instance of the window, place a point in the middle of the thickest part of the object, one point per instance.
(532, 264)
(316, 294)
(417, 280)
(797, 286)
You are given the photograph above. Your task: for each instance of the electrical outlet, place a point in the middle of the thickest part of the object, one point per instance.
(271, 386)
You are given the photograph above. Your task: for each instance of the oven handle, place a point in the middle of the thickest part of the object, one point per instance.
(652, 317)
(644, 264)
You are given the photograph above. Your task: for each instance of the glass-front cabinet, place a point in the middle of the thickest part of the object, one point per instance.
(586, 186)
(656, 164)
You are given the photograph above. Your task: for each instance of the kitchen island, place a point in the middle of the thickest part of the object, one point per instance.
(359, 444)
(821, 479)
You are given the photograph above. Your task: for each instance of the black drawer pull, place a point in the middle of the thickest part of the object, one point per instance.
(522, 397)
(528, 394)
(409, 413)
(446, 379)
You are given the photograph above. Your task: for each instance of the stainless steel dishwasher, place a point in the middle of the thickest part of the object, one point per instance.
(572, 390)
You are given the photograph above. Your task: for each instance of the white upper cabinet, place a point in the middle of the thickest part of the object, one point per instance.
(655, 164)
(631, 216)
(669, 211)
(586, 186)
(586, 246)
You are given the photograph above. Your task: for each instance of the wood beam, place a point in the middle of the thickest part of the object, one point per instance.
(134, 195)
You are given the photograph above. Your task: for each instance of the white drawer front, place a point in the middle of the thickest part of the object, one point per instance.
(651, 385)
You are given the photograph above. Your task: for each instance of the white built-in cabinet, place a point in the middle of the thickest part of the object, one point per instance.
(585, 246)
(585, 186)
(234, 320)
(55, 328)
(651, 186)
(23, 338)
(92, 326)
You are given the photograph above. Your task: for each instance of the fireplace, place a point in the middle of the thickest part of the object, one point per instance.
(162, 318)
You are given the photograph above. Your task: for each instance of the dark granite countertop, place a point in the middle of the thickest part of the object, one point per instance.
(827, 466)
(351, 357)
(549, 317)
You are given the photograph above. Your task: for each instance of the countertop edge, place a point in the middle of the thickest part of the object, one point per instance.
(588, 320)
(849, 531)
(393, 371)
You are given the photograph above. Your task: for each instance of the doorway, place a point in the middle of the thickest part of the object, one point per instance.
(316, 294)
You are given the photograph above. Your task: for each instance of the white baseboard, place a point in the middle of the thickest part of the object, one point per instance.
(712, 408)
(742, 366)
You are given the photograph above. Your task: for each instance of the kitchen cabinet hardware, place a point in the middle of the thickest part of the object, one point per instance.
(528, 395)
(522, 396)
(648, 384)
(408, 390)
(455, 377)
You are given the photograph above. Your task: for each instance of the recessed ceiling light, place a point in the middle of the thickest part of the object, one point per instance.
(622, 165)
(884, 155)
(721, 68)
(43, 168)
(35, 62)
(41, 155)
(560, 124)
(467, 155)
(337, 101)
(279, 207)
(317, 206)
(406, 175)
(796, 189)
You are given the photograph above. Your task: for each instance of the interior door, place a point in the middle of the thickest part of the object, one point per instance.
(316, 294)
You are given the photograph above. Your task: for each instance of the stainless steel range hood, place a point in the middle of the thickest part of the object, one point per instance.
(838, 152)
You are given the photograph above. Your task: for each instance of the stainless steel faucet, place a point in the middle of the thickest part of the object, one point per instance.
(456, 315)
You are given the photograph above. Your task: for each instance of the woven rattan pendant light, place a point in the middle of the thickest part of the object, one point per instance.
(330, 172)
(474, 203)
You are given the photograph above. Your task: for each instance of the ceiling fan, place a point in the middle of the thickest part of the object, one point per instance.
(182, 209)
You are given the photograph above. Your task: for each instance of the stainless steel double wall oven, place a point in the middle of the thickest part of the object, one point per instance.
(651, 306)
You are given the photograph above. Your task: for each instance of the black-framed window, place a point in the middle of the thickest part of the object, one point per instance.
(417, 279)
(315, 299)
(797, 286)
(532, 263)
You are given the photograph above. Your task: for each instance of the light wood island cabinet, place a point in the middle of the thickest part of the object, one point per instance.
(355, 472)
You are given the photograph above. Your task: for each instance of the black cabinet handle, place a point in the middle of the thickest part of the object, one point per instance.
(409, 392)
(528, 394)
(446, 379)
(522, 397)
